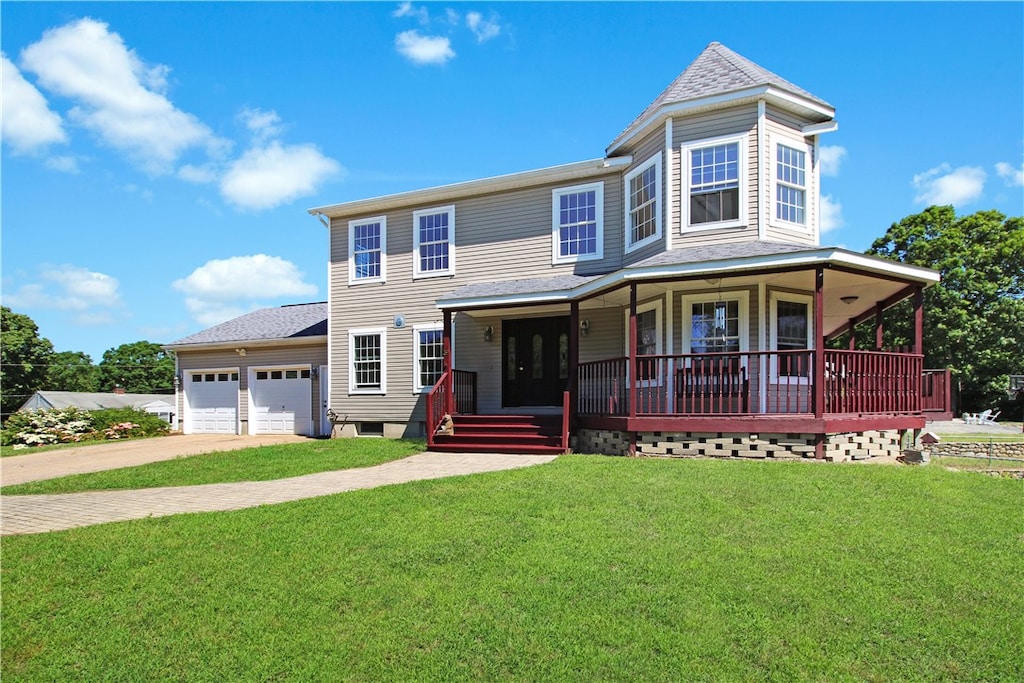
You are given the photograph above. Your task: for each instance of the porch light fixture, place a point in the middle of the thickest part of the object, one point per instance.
(848, 300)
(488, 333)
(240, 352)
(584, 327)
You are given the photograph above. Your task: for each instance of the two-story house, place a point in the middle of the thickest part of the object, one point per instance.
(670, 297)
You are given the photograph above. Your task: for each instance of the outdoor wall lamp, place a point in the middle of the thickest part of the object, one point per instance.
(488, 333)
(584, 327)
(240, 352)
(848, 300)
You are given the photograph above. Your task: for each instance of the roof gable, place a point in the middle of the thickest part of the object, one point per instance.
(283, 322)
(717, 71)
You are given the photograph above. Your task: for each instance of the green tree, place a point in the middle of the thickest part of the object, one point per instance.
(140, 367)
(25, 356)
(974, 318)
(72, 371)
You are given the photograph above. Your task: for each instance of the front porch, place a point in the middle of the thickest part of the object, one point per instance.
(750, 359)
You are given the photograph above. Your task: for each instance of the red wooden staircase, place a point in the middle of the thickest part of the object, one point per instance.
(502, 434)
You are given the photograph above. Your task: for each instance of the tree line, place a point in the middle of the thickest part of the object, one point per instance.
(30, 364)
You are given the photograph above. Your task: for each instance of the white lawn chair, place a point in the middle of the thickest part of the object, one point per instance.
(989, 418)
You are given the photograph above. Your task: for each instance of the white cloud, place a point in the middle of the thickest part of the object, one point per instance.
(830, 157)
(483, 29)
(423, 49)
(64, 164)
(28, 124)
(240, 277)
(406, 9)
(69, 288)
(207, 173)
(830, 214)
(222, 289)
(118, 97)
(264, 125)
(265, 177)
(944, 185)
(1012, 176)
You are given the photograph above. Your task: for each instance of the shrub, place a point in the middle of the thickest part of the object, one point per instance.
(65, 425)
(42, 427)
(117, 423)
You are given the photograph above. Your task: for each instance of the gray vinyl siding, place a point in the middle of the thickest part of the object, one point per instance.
(313, 355)
(498, 237)
(690, 129)
(652, 145)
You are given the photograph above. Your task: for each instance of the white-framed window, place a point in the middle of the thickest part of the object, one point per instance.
(643, 204)
(577, 223)
(428, 356)
(367, 250)
(716, 322)
(433, 242)
(791, 331)
(649, 335)
(367, 361)
(790, 176)
(714, 175)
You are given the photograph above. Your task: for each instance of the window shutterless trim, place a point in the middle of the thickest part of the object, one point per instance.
(774, 298)
(417, 242)
(686, 189)
(353, 275)
(797, 145)
(556, 223)
(656, 204)
(417, 387)
(658, 306)
(381, 334)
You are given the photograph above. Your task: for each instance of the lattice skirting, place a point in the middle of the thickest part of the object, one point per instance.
(838, 447)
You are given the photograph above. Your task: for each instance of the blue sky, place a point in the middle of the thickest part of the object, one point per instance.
(158, 159)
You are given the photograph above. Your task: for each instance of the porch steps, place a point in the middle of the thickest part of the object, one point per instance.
(503, 434)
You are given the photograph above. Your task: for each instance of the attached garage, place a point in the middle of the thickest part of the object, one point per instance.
(281, 401)
(211, 401)
(261, 373)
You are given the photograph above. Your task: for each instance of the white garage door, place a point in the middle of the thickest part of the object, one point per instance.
(281, 401)
(212, 399)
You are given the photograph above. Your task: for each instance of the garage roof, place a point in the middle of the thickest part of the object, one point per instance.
(293, 322)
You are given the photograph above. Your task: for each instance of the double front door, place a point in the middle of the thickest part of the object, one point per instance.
(535, 353)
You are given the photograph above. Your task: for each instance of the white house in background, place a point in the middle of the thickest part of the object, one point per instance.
(262, 373)
(162, 405)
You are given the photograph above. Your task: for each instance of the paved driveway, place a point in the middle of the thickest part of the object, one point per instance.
(18, 469)
(40, 513)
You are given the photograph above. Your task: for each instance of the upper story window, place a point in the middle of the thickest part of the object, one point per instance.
(577, 223)
(643, 204)
(366, 252)
(715, 171)
(434, 242)
(790, 184)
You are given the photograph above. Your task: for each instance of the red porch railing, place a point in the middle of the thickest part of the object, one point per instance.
(438, 402)
(752, 383)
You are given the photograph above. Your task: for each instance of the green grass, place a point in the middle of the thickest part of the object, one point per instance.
(587, 569)
(977, 463)
(262, 463)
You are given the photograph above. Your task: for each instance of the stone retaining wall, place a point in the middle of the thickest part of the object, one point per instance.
(977, 448)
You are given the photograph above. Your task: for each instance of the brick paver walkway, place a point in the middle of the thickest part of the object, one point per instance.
(40, 513)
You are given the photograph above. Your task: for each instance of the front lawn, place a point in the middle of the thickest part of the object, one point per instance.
(261, 463)
(586, 569)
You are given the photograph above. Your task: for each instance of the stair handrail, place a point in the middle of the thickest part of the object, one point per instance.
(436, 413)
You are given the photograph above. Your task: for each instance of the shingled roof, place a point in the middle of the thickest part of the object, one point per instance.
(716, 71)
(283, 322)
